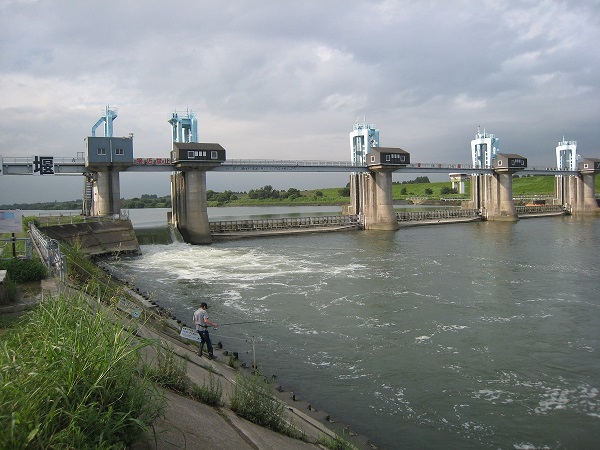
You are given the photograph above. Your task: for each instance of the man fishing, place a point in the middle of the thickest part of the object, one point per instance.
(202, 323)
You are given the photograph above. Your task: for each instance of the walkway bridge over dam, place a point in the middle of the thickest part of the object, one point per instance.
(31, 165)
(370, 172)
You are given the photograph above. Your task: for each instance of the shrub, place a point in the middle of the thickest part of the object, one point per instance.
(11, 290)
(24, 270)
(210, 394)
(171, 371)
(344, 192)
(69, 380)
(335, 443)
(448, 190)
(253, 400)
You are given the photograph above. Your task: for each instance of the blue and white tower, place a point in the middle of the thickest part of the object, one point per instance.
(185, 126)
(362, 138)
(566, 155)
(110, 114)
(484, 149)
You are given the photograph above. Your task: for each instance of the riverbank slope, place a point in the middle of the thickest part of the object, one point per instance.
(187, 423)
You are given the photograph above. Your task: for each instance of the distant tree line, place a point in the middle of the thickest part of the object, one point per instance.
(220, 197)
(428, 191)
(51, 206)
(345, 191)
(267, 192)
(418, 180)
(146, 201)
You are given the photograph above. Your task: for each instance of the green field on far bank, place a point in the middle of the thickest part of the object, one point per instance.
(527, 186)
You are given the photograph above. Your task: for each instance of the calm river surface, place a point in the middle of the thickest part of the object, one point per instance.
(478, 335)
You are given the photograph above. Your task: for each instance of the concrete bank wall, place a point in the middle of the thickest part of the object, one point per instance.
(97, 238)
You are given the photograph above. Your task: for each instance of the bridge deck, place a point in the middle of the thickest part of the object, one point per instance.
(77, 166)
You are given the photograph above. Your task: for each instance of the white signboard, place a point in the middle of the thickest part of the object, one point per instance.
(11, 221)
(189, 333)
(129, 308)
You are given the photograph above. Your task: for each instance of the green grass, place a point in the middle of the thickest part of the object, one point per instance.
(535, 185)
(171, 370)
(335, 443)
(420, 190)
(522, 186)
(24, 270)
(70, 379)
(253, 400)
(8, 321)
(210, 393)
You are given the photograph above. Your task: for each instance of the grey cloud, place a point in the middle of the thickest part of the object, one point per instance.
(288, 79)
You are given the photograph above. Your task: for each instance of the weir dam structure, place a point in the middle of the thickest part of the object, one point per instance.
(370, 170)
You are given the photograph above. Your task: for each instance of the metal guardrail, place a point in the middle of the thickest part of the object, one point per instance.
(30, 160)
(282, 162)
(77, 166)
(233, 226)
(50, 219)
(14, 247)
(49, 251)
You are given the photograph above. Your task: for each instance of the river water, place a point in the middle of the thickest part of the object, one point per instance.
(476, 335)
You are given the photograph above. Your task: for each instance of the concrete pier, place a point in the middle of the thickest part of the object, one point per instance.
(577, 192)
(589, 203)
(189, 206)
(492, 194)
(188, 188)
(371, 192)
(106, 198)
(379, 208)
(505, 210)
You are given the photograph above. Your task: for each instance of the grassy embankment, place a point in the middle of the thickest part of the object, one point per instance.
(70, 375)
(522, 187)
(71, 379)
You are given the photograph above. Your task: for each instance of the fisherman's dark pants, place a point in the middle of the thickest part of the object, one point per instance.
(205, 338)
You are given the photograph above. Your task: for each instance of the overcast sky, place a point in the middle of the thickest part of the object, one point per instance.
(288, 79)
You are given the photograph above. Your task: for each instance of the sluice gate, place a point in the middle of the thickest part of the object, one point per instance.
(283, 223)
(541, 209)
(438, 214)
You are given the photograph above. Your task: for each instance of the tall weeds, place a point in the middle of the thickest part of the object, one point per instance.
(253, 400)
(69, 379)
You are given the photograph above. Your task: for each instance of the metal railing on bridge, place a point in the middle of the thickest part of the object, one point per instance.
(282, 223)
(275, 165)
(76, 166)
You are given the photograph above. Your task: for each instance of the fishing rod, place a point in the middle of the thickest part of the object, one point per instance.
(248, 321)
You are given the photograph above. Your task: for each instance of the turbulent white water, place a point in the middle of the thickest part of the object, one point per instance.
(457, 336)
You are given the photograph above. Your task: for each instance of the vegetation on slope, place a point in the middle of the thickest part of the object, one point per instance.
(70, 379)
